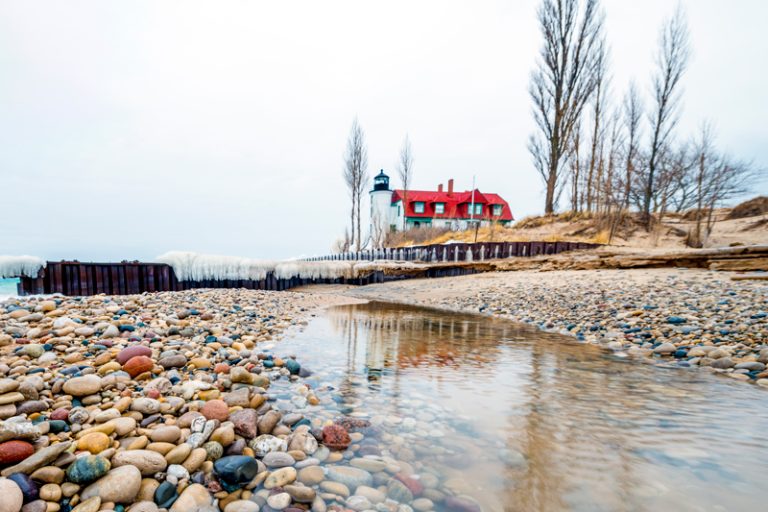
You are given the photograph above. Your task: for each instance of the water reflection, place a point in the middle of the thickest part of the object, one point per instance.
(521, 420)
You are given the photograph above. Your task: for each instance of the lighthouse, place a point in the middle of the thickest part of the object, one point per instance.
(381, 207)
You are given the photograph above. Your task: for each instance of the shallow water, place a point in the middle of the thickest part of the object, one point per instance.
(8, 288)
(523, 420)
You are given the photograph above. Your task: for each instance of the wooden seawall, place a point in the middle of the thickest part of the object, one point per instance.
(132, 277)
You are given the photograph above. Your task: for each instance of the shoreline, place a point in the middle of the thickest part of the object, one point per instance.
(688, 318)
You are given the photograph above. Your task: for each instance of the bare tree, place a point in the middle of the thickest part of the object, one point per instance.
(574, 159)
(671, 63)
(563, 82)
(355, 169)
(405, 171)
(598, 129)
(633, 111)
(717, 178)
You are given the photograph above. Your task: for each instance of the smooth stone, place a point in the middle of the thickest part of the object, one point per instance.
(422, 504)
(165, 434)
(266, 443)
(723, 363)
(235, 470)
(13, 499)
(373, 495)
(335, 488)
(397, 491)
(146, 405)
(279, 501)
(12, 452)
(39, 505)
(278, 459)
(242, 506)
(89, 505)
(165, 495)
(94, 442)
(178, 454)
(301, 493)
(370, 465)
(349, 476)
(146, 461)
(29, 489)
(133, 351)
(120, 485)
(280, 477)
(83, 386)
(86, 469)
(193, 498)
(358, 503)
(40, 458)
(311, 475)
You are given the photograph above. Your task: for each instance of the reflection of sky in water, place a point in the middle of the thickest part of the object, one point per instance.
(596, 432)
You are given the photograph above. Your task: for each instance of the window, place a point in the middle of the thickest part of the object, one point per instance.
(418, 207)
(478, 209)
(439, 208)
(497, 210)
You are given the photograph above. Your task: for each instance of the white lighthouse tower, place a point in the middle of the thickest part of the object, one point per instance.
(381, 208)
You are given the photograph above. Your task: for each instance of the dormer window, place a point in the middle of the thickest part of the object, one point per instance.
(418, 207)
(478, 209)
(439, 208)
(497, 210)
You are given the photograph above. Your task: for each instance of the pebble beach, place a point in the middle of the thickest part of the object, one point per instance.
(185, 401)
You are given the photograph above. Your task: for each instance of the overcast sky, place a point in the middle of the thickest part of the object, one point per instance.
(131, 129)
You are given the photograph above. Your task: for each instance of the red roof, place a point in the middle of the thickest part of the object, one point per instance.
(456, 204)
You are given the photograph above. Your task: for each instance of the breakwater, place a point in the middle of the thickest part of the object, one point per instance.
(359, 268)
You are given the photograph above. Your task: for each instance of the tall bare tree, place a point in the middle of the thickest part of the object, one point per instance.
(355, 177)
(405, 171)
(598, 128)
(562, 83)
(671, 63)
(633, 112)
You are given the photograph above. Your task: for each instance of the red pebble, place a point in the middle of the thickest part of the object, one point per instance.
(152, 393)
(336, 437)
(126, 354)
(411, 483)
(215, 410)
(60, 414)
(12, 452)
(138, 365)
(221, 368)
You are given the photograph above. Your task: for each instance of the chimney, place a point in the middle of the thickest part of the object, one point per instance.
(450, 186)
(440, 187)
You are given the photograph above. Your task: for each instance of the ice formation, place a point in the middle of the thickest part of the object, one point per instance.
(189, 266)
(20, 266)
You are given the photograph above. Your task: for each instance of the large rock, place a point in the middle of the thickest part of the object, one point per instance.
(121, 485)
(12, 498)
(82, 386)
